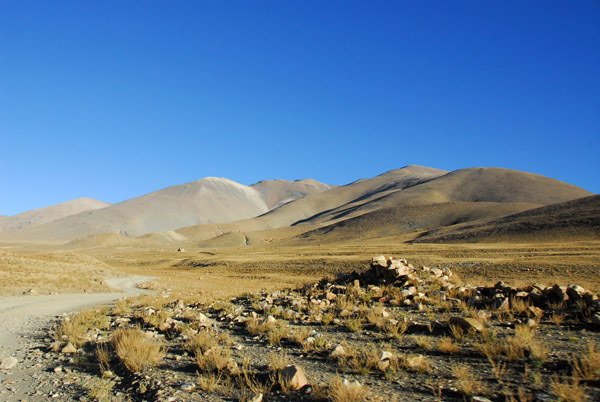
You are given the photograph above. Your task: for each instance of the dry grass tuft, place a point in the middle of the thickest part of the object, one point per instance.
(346, 392)
(353, 324)
(466, 382)
(587, 364)
(135, 350)
(100, 389)
(567, 390)
(209, 382)
(278, 361)
(214, 359)
(446, 345)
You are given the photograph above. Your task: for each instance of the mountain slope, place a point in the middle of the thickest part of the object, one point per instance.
(48, 214)
(411, 218)
(358, 191)
(278, 192)
(465, 185)
(575, 218)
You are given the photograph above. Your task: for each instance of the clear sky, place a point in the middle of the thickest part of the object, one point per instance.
(115, 99)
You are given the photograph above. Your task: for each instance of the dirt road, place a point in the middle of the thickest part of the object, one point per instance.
(22, 316)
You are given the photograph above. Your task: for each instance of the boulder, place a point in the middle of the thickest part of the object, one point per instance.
(294, 377)
(466, 323)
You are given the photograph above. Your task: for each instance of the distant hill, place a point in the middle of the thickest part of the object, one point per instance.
(48, 214)
(576, 218)
(217, 212)
(203, 201)
(406, 200)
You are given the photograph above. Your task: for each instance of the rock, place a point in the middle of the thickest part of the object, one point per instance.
(466, 323)
(385, 355)
(339, 351)
(438, 295)
(556, 293)
(69, 349)
(269, 320)
(535, 311)
(58, 369)
(8, 363)
(257, 398)
(436, 272)
(294, 377)
(501, 303)
(595, 319)
(575, 292)
(480, 399)
(188, 386)
(330, 296)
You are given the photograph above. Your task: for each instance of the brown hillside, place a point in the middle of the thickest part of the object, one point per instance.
(411, 218)
(576, 218)
(466, 185)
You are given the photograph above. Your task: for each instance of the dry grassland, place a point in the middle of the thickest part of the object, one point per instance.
(51, 273)
(233, 271)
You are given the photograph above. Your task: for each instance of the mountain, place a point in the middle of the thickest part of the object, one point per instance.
(575, 218)
(494, 185)
(406, 200)
(278, 192)
(356, 193)
(48, 214)
(202, 201)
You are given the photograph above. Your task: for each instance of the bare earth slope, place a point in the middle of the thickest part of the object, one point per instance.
(278, 192)
(561, 221)
(48, 214)
(466, 185)
(404, 219)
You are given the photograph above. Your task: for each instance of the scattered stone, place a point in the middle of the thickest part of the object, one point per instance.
(257, 398)
(294, 376)
(8, 363)
(466, 323)
(69, 349)
(338, 351)
(188, 386)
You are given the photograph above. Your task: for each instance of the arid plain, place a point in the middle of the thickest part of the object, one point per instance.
(225, 252)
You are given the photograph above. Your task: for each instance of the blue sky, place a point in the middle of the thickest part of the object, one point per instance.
(115, 99)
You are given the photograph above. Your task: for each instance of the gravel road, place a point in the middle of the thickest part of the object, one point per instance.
(22, 318)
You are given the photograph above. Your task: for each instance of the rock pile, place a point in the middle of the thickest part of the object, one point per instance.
(420, 283)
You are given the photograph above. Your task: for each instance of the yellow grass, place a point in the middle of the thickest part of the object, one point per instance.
(136, 350)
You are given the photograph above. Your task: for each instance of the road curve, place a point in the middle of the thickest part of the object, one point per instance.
(20, 316)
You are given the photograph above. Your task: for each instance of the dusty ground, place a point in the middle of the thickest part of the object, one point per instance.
(207, 274)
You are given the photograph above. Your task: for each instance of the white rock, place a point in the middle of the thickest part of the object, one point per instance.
(8, 363)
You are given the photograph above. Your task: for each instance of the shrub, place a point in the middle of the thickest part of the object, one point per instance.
(135, 350)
